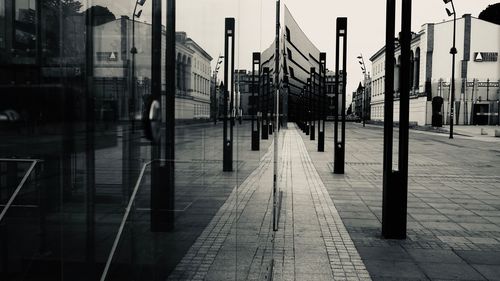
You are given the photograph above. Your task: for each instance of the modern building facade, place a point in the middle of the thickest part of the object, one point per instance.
(477, 73)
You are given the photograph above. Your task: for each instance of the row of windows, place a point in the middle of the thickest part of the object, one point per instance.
(201, 109)
(377, 111)
(201, 85)
(378, 86)
(378, 68)
(200, 65)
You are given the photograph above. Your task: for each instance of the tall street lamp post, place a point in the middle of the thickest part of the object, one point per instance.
(453, 52)
(363, 69)
(133, 51)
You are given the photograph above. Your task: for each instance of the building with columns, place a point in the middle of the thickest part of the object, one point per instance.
(113, 71)
(477, 73)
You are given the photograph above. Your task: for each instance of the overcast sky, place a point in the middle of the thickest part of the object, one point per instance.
(203, 20)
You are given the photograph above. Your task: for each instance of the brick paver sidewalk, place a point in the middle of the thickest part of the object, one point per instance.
(311, 243)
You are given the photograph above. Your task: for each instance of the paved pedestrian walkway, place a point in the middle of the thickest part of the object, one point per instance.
(311, 242)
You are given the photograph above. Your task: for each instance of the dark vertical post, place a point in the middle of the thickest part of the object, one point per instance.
(162, 174)
(265, 103)
(395, 183)
(453, 52)
(387, 181)
(228, 82)
(322, 93)
(255, 104)
(404, 115)
(90, 144)
(309, 106)
(276, 112)
(167, 211)
(339, 146)
(312, 95)
(498, 112)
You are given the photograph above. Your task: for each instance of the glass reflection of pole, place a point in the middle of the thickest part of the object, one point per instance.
(265, 103)
(255, 110)
(276, 119)
(89, 148)
(133, 51)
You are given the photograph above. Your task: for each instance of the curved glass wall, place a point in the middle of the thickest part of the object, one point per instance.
(96, 181)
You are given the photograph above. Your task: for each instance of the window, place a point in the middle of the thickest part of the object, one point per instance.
(288, 35)
(289, 54)
(291, 71)
(25, 25)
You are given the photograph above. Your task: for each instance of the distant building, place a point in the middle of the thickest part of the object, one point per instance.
(357, 101)
(244, 101)
(330, 92)
(477, 73)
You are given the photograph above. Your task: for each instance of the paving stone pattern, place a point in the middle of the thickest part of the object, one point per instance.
(310, 244)
(453, 205)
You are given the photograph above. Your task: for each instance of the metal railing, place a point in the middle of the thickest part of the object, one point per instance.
(21, 184)
(125, 217)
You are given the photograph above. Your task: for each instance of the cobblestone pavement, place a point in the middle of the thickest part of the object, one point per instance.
(311, 242)
(453, 205)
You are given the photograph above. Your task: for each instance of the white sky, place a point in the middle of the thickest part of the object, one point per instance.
(203, 20)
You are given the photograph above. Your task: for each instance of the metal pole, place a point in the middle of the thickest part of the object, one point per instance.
(339, 147)
(453, 52)
(395, 183)
(344, 90)
(132, 88)
(309, 107)
(228, 82)
(388, 120)
(498, 112)
(276, 112)
(255, 113)
(404, 117)
(163, 203)
(312, 93)
(265, 103)
(322, 92)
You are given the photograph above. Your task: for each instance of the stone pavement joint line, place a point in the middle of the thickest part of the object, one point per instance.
(312, 242)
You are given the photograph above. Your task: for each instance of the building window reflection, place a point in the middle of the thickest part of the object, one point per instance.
(25, 26)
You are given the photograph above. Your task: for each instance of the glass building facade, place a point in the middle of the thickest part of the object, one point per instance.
(79, 179)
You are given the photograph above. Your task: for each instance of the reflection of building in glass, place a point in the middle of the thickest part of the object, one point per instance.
(477, 73)
(245, 102)
(299, 56)
(112, 58)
